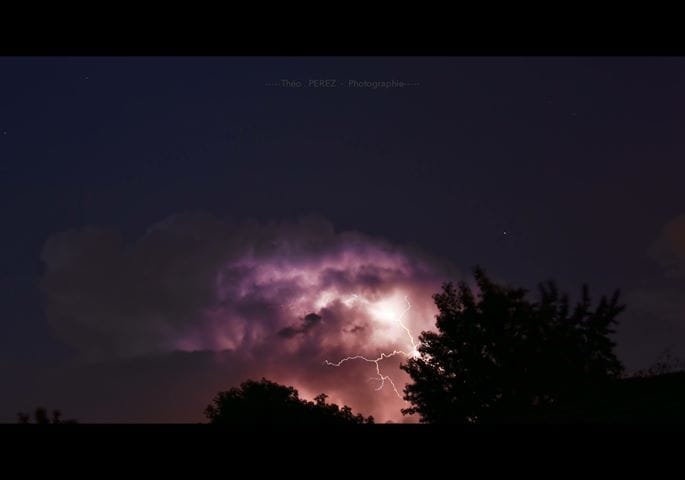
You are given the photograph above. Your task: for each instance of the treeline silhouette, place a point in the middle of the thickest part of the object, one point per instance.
(496, 356)
(266, 402)
(500, 357)
(41, 417)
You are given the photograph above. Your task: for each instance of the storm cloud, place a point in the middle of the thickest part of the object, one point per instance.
(654, 322)
(669, 248)
(281, 297)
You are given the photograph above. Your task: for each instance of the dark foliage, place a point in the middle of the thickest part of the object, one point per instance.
(266, 402)
(498, 356)
(41, 417)
(666, 363)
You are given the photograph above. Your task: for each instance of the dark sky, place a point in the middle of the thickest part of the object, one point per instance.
(580, 161)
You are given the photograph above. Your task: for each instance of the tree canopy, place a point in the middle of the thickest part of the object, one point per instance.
(496, 355)
(266, 402)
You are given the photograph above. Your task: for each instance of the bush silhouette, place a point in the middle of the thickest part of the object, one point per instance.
(497, 356)
(266, 402)
(41, 417)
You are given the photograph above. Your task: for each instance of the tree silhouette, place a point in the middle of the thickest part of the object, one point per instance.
(498, 356)
(266, 402)
(667, 362)
(41, 417)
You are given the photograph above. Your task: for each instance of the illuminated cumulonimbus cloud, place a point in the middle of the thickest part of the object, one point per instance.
(284, 296)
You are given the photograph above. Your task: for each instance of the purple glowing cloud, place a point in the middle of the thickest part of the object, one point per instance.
(282, 297)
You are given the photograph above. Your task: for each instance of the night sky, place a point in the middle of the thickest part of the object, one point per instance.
(169, 223)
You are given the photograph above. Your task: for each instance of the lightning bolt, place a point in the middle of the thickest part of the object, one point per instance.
(380, 377)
